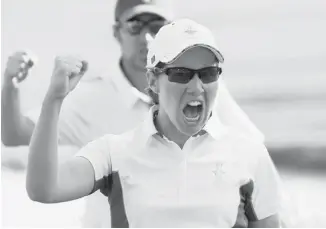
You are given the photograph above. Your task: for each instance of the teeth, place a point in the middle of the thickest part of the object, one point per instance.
(193, 119)
(194, 103)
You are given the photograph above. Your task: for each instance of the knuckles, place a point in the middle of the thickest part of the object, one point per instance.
(70, 64)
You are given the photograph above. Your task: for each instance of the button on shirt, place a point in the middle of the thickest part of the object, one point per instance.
(162, 185)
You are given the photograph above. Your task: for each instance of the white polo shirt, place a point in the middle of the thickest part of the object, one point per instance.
(110, 105)
(151, 182)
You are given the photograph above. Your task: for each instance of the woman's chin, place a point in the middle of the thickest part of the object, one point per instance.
(191, 130)
(192, 125)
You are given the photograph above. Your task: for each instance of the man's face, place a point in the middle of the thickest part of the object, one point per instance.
(134, 36)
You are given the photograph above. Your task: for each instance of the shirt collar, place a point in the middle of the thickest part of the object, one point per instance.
(213, 127)
(130, 94)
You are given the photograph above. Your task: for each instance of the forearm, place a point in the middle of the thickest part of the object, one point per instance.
(15, 128)
(42, 169)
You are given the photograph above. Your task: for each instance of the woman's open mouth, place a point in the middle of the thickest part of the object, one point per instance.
(193, 111)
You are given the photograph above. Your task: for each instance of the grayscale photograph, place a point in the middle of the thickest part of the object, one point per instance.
(163, 114)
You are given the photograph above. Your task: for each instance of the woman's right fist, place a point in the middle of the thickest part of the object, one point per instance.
(67, 72)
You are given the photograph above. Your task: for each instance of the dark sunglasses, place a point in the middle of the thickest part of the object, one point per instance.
(184, 75)
(135, 27)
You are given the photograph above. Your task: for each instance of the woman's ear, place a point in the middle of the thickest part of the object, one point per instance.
(152, 80)
(116, 32)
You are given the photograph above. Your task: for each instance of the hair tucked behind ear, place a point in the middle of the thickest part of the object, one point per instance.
(149, 91)
(153, 96)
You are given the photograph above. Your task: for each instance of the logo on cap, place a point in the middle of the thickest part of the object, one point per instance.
(190, 30)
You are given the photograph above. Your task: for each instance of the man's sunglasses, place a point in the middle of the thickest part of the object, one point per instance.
(135, 27)
(184, 75)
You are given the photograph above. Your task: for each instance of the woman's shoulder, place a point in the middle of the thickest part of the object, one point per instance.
(124, 141)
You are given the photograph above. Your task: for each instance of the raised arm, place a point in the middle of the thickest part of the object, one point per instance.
(47, 181)
(16, 129)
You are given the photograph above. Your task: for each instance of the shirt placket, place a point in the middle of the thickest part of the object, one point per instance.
(182, 171)
(183, 187)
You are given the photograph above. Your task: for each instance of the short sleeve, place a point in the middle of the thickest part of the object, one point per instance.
(97, 153)
(267, 193)
(97, 208)
(233, 116)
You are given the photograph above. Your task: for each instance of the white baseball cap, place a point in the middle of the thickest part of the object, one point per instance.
(174, 39)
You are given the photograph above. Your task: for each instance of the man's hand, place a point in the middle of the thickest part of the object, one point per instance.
(67, 72)
(17, 67)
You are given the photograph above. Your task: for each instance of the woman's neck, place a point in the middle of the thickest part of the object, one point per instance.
(166, 127)
(136, 76)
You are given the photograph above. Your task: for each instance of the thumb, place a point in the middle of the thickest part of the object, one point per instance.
(84, 68)
(74, 80)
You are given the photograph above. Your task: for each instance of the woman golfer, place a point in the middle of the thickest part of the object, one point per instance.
(180, 167)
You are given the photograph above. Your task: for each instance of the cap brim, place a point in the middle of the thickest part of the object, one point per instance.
(217, 53)
(142, 9)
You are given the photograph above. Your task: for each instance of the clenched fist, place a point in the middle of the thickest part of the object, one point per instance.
(17, 67)
(67, 72)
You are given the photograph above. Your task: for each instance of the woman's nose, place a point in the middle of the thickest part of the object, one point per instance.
(195, 86)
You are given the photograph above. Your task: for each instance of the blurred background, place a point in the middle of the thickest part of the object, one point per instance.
(275, 68)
